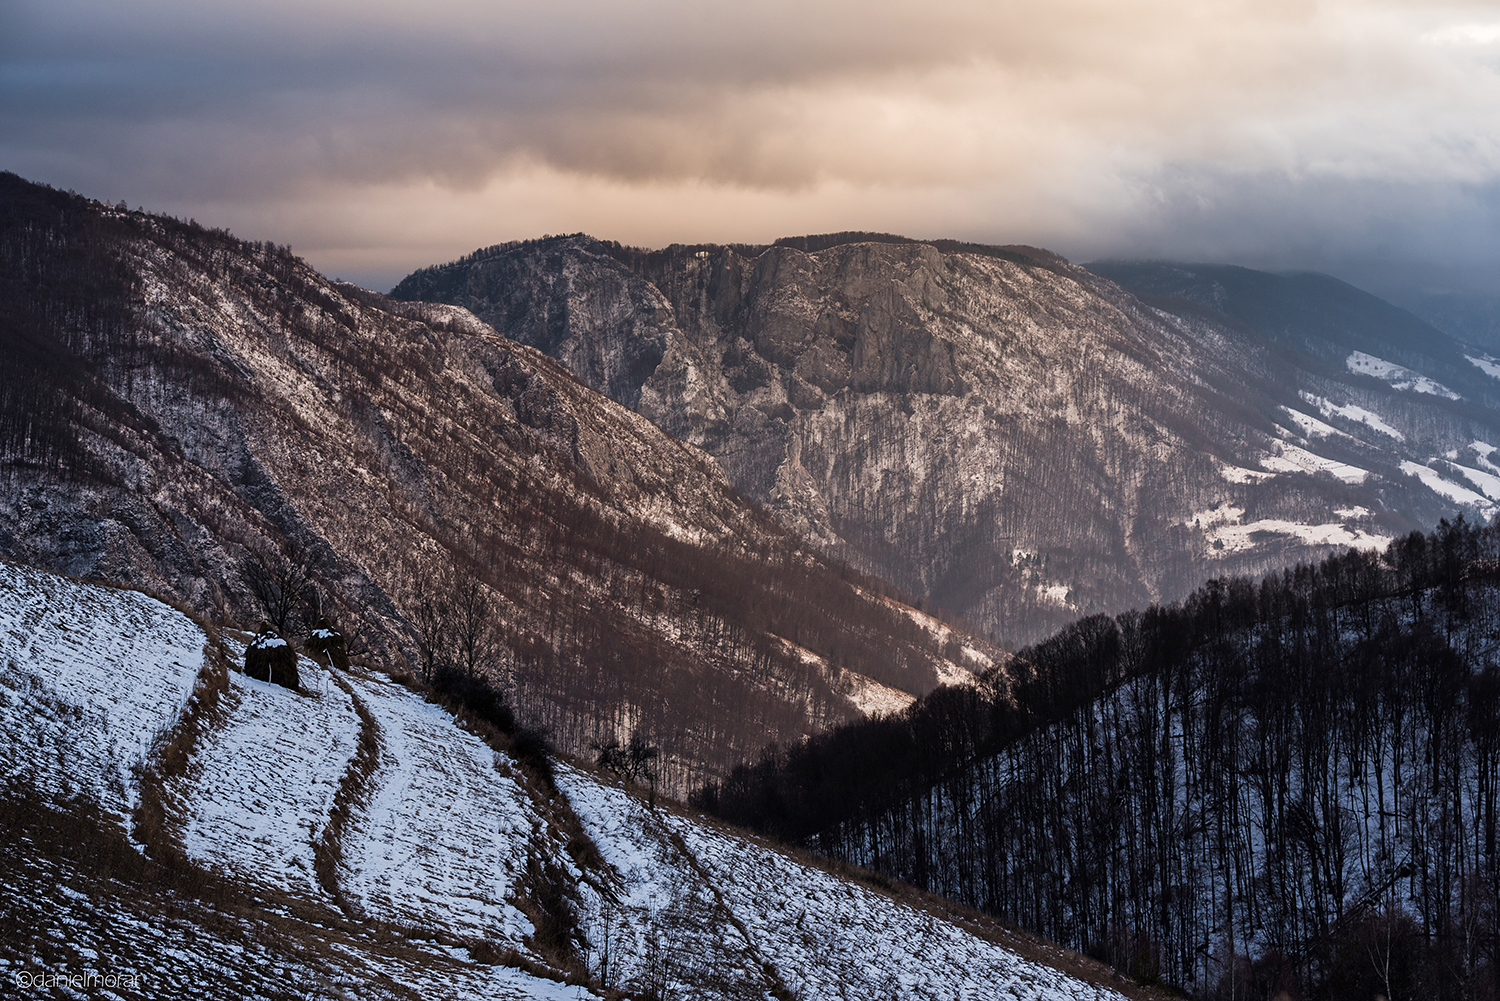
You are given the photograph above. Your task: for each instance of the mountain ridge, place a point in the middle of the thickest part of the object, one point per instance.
(183, 400)
(1067, 447)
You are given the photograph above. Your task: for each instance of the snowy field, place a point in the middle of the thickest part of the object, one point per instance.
(89, 677)
(832, 940)
(434, 854)
(263, 782)
(656, 895)
(70, 919)
(445, 835)
(744, 919)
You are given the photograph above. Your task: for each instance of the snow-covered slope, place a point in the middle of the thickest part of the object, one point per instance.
(446, 834)
(433, 891)
(91, 679)
(264, 780)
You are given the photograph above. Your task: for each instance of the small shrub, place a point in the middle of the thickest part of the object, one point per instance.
(476, 696)
(530, 749)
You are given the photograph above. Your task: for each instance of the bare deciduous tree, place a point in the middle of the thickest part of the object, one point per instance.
(635, 761)
(453, 618)
(279, 582)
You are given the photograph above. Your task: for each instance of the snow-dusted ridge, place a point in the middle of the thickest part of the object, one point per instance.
(431, 884)
(925, 410)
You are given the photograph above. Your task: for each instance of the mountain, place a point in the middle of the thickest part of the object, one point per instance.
(1309, 314)
(186, 412)
(1472, 317)
(1008, 435)
(177, 829)
(1285, 786)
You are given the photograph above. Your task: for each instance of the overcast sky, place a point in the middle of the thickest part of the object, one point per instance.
(1361, 138)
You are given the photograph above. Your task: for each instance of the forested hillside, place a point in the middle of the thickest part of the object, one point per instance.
(1008, 435)
(189, 412)
(1283, 785)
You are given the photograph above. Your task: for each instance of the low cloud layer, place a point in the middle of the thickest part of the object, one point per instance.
(380, 136)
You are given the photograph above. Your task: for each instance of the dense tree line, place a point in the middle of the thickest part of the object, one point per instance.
(73, 331)
(59, 298)
(1279, 786)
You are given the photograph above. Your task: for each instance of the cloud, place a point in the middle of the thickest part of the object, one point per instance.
(1083, 124)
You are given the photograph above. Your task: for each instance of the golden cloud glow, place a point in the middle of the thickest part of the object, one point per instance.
(379, 136)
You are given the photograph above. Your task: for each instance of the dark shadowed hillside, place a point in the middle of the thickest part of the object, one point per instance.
(1285, 785)
(1312, 314)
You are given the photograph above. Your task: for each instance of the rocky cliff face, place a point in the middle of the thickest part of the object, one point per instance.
(173, 399)
(1006, 434)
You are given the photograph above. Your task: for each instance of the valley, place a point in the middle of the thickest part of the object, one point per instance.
(180, 405)
(1000, 596)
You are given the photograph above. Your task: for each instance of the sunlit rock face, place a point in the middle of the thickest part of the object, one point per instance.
(1008, 435)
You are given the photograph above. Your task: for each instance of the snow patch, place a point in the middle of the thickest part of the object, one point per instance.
(1299, 460)
(440, 844)
(1223, 514)
(1239, 538)
(1311, 427)
(1228, 534)
(1444, 487)
(1398, 376)
(1489, 366)
(1487, 482)
(1483, 453)
(948, 672)
(1238, 474)
(865, 694)
(1055, 594)
(1351, 412)
(874, 699)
